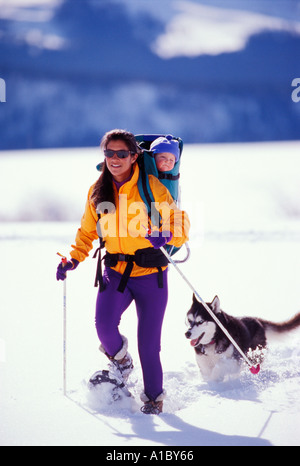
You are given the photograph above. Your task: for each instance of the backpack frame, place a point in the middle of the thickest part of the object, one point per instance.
(169, 179)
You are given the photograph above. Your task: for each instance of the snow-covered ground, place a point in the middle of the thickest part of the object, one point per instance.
(244, 204)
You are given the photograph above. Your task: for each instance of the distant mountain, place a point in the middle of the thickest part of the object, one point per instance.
(88, 66)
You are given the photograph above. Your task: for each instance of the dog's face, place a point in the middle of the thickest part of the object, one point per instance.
(201, 326)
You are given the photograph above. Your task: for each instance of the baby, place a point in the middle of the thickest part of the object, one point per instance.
(166, 153)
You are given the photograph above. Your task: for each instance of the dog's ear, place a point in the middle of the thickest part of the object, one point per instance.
(216, 306)
(195, 300)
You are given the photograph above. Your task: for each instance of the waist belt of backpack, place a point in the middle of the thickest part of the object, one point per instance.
(146, 258)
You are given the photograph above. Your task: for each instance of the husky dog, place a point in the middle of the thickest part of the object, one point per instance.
(215, 354)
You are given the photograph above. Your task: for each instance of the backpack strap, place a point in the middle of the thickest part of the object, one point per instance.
(99, 276)
(147, 195)
(144, 186)
(168, 176)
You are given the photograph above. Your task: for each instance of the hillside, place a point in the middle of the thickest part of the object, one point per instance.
(77, 68)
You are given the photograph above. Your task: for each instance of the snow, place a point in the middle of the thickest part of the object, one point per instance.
(245, 248)
(199, 29)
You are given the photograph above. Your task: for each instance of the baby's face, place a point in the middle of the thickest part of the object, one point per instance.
(165, 161)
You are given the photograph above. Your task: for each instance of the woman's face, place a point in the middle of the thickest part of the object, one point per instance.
(119, 168)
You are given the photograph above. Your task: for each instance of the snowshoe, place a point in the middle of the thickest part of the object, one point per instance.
(153, 406)
(118, 388)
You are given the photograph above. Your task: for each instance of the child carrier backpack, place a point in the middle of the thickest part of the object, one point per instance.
(169, 179)
(148, 257)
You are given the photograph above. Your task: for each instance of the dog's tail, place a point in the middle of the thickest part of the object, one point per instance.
(282, 327)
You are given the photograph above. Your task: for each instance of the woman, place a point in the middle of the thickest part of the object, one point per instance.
(115, 204)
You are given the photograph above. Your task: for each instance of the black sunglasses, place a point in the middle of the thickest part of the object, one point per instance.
(121, 154)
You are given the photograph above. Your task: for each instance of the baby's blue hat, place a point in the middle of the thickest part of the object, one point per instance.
(166, 144)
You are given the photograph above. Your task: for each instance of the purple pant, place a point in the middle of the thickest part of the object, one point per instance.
(151, 302)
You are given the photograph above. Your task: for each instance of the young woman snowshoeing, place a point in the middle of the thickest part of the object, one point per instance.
(134, 268)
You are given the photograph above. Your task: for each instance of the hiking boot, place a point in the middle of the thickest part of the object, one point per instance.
(153, 406)
(122, 368)
(121, 365)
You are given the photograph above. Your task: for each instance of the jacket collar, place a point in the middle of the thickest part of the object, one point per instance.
(131, 180)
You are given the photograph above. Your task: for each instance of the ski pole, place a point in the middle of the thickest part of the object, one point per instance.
(253, 369)
(64, 260)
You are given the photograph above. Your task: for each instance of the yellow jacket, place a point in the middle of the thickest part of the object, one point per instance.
(125, 227)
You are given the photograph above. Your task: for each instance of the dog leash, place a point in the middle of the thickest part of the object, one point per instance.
(253, 369)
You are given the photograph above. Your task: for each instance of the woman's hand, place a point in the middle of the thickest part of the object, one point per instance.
(163, 238)
(63, 268)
